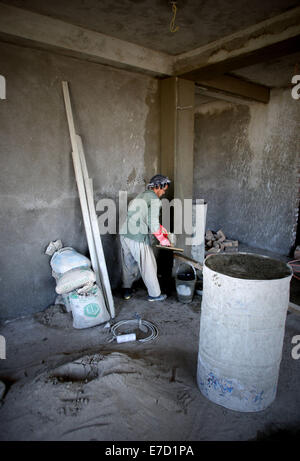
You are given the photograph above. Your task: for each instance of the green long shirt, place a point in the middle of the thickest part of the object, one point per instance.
(142, 217)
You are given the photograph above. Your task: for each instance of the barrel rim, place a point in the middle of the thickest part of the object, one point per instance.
(247, 279)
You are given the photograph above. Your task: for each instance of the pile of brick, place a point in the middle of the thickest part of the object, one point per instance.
(216, 242)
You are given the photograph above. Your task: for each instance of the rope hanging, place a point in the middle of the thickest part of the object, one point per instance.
(172, 24)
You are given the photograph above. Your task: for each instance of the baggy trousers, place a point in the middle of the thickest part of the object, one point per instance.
(138, 260)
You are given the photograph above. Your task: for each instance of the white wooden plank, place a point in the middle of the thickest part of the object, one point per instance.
(87, 224)
(81, 189)
(95, 230)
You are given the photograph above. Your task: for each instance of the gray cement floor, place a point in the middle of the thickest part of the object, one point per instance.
(149, 391)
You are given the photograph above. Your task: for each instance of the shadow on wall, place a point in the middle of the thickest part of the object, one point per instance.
(112, 253)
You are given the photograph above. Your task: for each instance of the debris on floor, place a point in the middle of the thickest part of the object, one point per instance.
(54, 316)
(67, 384)
(100, 396)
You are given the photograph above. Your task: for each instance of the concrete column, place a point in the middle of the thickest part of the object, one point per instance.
(177, 140)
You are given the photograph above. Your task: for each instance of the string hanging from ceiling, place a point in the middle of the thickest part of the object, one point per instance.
(172, 23)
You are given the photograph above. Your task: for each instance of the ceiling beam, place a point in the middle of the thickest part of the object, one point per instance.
(214, 95)
(205, 65)
(228, 87)
(24, 27)
(266, 40)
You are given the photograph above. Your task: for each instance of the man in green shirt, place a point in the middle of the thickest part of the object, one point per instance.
(137, 254)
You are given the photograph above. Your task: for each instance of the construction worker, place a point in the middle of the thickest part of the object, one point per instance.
(142, 222)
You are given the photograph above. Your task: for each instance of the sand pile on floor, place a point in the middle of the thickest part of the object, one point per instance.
(55, 316)
(67, 384)
(98, 397)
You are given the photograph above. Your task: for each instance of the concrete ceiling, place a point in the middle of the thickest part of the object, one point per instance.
(147, 22)
(145, 42)
(276, 73)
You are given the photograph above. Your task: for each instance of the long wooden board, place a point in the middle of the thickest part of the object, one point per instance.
(95, 229)
(81, 190)
(79, 179)
(169, 248)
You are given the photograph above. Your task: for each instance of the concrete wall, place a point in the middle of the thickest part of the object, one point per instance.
(117, 114)
(246, 166)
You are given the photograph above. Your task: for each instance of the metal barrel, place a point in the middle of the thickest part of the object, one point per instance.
(242, 326)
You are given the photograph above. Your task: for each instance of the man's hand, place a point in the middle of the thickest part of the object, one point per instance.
(164, 231)
(165, 242)
(162, 236)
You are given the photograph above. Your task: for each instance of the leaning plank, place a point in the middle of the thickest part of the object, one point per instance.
(87, 226)
(95, 230)
(86, 180)
(188, 260)
(81, 189)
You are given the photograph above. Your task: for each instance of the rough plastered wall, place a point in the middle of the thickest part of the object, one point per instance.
(116, 113)
(246, 167)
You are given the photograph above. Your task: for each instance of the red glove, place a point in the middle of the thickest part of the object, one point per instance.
(162, 236)
(164, 231)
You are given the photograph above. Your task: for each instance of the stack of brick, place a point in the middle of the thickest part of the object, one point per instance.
(216, 242)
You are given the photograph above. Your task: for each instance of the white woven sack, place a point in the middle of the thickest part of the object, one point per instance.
(88, 310)
(73, 279)
(63, 300)
(66, 302)
(67, 259)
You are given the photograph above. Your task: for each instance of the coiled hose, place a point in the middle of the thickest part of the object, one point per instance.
(135, 324)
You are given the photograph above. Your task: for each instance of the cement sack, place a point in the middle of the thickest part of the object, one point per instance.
(87, 309)
(53, 247)
(73, 279)
(67, 259)
(66, 301)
